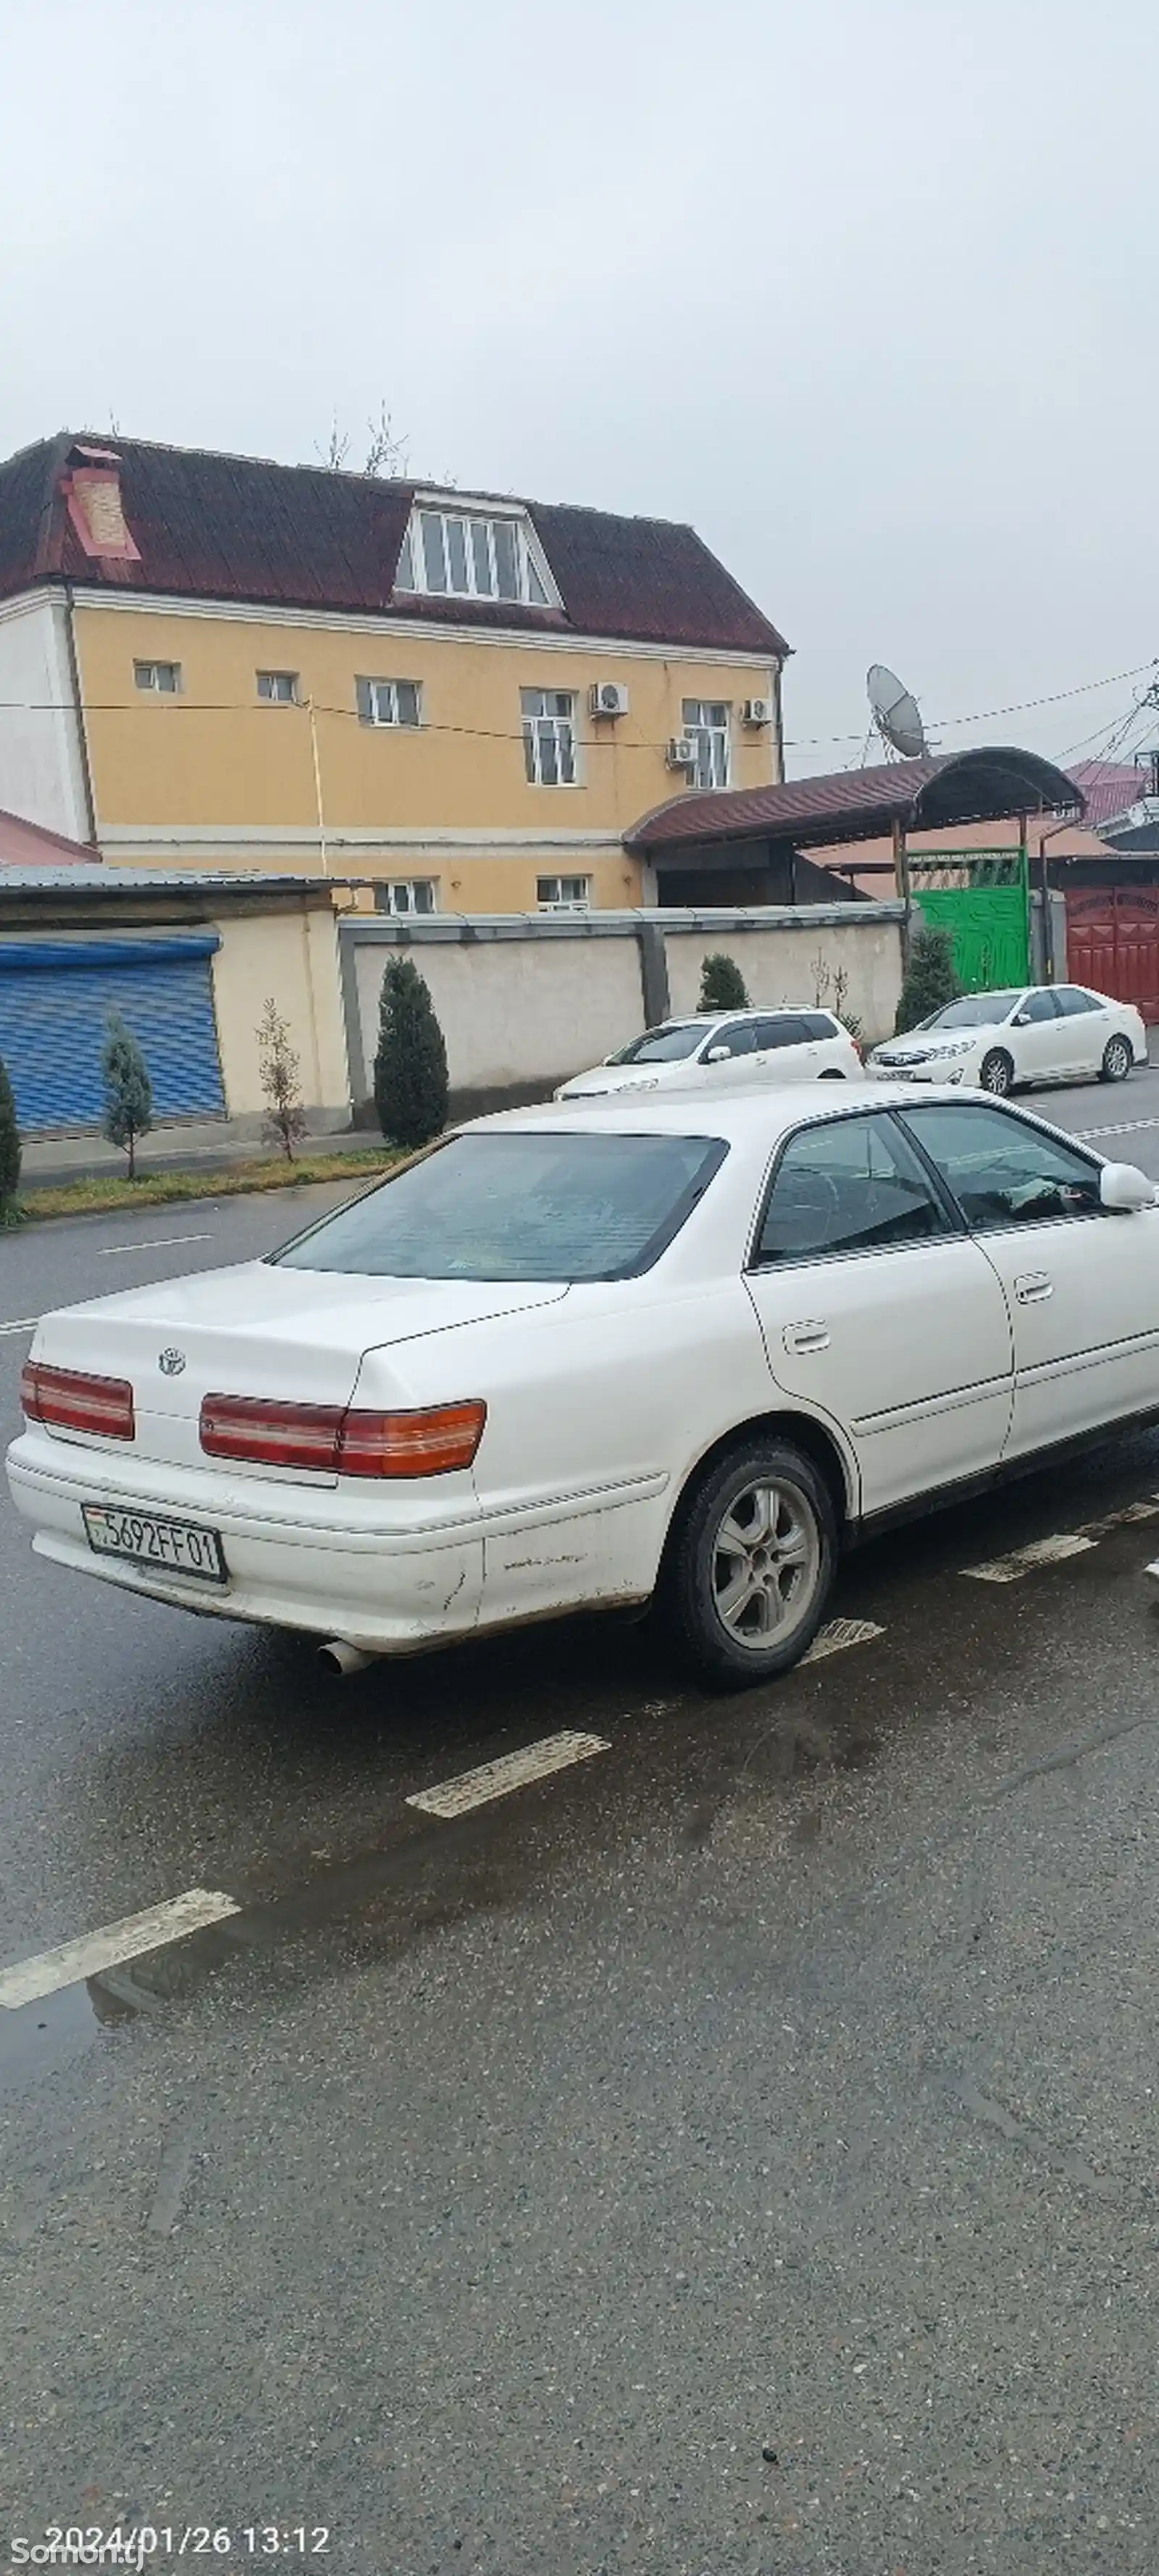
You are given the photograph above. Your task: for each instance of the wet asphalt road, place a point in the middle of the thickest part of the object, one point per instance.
(498, 2193)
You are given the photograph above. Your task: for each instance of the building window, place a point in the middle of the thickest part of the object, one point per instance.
(564, 894)
(278, 688)
(164, 678)
(408, 894)
(549, 736)
(706, 719)
(458, 556)
(388, 702)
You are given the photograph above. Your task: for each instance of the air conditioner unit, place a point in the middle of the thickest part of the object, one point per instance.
(682, 752)
(757, 711)
(607, 698)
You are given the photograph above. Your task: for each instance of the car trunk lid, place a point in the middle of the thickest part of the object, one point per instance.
(258, 1330)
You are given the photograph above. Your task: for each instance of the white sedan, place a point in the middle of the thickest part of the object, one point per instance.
(1029, 1033)
(581, 1357)
(732, 1047)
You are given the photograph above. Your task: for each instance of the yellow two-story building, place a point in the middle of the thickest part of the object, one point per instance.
(214, 661)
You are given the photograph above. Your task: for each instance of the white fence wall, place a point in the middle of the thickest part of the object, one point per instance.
(525, 1001)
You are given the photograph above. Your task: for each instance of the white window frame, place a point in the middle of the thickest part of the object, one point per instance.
(278, 697)
(378, 703)
(708, 723)
(576, 901)
(480, 566)
(152, 685)
(408, 910)
(556, 724)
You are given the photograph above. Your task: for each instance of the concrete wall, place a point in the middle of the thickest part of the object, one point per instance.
(41, 770)
(516, 1014)
(792, 966)
(292, 956)
(524, 1002)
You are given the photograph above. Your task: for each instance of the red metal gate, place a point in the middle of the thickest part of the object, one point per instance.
(1112, 942)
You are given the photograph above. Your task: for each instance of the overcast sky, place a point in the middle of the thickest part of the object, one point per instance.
(864, 288)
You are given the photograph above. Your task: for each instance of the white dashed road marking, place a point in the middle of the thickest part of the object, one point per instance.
(1024, 1560)
(1126, 1127)
(839, 1633)
(1052, 1551)
(513, 1771)
(130, 1939)
(21, 1324)
(1120, 1519)
(153, 1243)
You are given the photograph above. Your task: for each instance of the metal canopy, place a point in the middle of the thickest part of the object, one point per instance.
(949, 788)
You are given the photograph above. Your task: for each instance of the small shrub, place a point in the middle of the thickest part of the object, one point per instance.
(128, 1090)
(722, 985)
(9, 1149)
(931, 979)
(278, 1063)
(849, 1019)
(410, 1068)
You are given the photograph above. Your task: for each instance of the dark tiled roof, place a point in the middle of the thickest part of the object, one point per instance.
(855, 804)
(241, 528)
(29, 845)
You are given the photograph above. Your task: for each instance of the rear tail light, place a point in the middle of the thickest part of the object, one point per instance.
(273, 1435)
(341, 1440)
(72, 1400)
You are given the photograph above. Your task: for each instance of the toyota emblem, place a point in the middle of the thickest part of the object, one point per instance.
(171, 1363)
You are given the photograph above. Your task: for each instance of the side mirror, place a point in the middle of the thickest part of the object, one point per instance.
(1123, 1188)
(718, 1055)
(1021, 1020)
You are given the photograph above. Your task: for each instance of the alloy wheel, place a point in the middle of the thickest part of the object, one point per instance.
(765, 1563)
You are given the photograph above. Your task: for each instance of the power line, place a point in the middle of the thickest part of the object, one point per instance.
(179, 703)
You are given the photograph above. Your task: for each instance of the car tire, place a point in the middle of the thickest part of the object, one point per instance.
(1118, 1060)
(996, 1073)
(765, 1511)
(832, 1073)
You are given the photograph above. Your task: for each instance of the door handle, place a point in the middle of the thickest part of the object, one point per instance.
(1033, 1288)
(806, 1337)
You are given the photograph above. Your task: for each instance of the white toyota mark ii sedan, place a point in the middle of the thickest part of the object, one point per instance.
(580, 1356)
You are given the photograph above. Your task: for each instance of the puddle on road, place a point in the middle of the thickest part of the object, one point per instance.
(43, 2036)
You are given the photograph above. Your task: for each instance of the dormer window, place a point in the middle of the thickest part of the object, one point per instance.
(465, 554)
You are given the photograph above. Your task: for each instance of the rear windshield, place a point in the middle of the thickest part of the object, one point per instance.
(520, 1207)
(975, 1011)
(662, 1046)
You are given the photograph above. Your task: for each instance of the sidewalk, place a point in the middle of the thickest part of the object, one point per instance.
(200, 1146)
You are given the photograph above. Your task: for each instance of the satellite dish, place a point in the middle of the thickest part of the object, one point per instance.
(895, 712)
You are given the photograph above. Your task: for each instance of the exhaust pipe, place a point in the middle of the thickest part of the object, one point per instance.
(339, 1658)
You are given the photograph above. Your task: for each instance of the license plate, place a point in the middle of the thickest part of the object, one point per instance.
(172, 1547)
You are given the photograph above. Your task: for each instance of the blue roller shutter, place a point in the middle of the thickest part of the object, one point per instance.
(54, 995)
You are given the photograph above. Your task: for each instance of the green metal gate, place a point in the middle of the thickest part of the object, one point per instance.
(982, 897)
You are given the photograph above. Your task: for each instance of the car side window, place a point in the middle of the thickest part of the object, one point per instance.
(740, 1040)
(847, 1185)
(790, 1029)
(1072, 1003)
(1002, 1171)
(1038, 1006)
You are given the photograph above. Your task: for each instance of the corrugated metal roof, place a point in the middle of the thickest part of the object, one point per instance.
(242, 528)
(24, 844)
(854, 804)
(1110, 787)
(110, 881)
